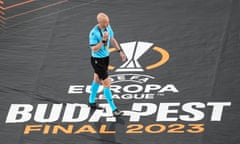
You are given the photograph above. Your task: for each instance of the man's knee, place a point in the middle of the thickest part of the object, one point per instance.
(96, 78)
(106, 82)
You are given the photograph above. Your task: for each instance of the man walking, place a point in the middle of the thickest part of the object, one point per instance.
(100, 38)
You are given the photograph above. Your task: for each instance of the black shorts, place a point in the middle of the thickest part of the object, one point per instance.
(100, 66)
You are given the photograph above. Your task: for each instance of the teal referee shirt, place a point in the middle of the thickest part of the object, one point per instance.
(95, 37)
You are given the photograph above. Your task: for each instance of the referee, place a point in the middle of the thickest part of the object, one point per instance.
(100, 38)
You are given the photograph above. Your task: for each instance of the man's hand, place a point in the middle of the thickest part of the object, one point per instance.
(123, 56)
(105, 36)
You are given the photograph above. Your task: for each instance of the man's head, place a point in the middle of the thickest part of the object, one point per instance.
(103, 20)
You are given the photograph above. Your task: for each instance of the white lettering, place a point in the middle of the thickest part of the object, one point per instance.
(196, 114)
(138, 110)
(194, 111)
(169, 88)
(133, 88)
(164, 110)
(107, 113)
(73, 89)
(218, 109)
(19, 113)
(151, 87)
(70, 110)
(41, 111)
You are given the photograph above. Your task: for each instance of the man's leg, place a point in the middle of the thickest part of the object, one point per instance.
(108, 94)
(93, 94)
(94, 89)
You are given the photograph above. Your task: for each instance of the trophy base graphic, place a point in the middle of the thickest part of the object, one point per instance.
(129, 69)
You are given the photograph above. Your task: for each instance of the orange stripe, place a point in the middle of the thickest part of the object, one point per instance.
(18, 4)
(37, 9)
(3, 18)
(3, 22)
(3, 26)
(2, 13)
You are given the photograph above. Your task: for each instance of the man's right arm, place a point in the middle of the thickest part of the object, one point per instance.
(101, 43)
(97, 46)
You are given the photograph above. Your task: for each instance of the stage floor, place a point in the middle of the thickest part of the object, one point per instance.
(180, 85)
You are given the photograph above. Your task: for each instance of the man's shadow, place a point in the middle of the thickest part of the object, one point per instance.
(107, 130)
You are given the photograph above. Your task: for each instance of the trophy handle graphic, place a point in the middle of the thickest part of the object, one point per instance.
(134, 50)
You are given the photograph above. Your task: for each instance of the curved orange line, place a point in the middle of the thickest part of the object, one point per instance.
(165, 58)
(37, 9)
(18, 4)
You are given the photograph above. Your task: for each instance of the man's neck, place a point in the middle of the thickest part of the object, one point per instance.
(99, 26)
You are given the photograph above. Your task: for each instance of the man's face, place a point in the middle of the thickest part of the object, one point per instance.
(104, 23)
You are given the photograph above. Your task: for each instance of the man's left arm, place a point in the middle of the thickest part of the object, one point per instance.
(116, 45)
